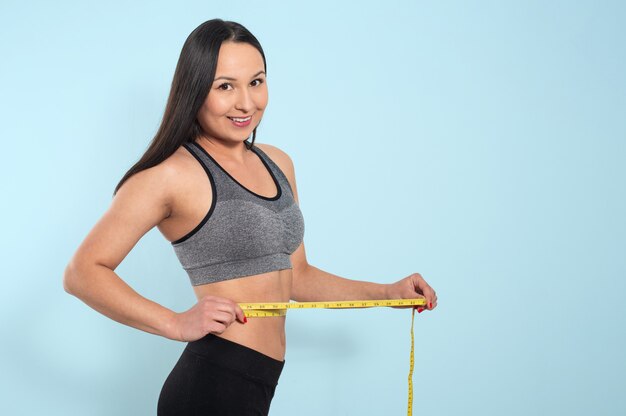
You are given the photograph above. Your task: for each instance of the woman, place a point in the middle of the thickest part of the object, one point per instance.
(230, 209)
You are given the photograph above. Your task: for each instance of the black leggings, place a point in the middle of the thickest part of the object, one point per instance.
(218, 377)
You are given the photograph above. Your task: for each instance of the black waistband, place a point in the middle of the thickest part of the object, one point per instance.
(237, 357)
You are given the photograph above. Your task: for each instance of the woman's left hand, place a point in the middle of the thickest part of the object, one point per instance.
(412, 287)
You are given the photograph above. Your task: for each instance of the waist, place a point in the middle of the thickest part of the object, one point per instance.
(264, 335)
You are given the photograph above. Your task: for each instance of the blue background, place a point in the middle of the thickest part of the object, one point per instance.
(481, 144)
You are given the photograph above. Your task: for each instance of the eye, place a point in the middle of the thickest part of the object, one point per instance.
(261, 81)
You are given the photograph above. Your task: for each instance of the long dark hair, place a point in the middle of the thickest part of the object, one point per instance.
(192, 81)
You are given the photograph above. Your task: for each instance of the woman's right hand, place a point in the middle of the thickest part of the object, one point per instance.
(211, 314)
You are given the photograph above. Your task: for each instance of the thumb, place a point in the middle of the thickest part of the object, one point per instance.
(241, 317)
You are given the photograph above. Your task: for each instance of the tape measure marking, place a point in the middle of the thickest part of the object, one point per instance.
(270, 309)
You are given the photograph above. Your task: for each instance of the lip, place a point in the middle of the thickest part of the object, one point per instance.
(239, 117)
(241, 124)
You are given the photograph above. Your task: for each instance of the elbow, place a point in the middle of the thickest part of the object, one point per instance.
(68, 279)
(71, 277)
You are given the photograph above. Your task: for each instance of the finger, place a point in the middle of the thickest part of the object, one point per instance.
(236, 310)
(217, 328)
(225, 318)
(209, 302)
(241, 316)
(227, 305)
(224, 305)
(429, 293)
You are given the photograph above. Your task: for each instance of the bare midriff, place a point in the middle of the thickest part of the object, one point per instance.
(265, 335)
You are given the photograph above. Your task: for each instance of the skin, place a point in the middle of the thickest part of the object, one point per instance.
(175, 195)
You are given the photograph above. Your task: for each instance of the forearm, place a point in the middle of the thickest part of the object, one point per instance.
(103, 290)
(312, 284)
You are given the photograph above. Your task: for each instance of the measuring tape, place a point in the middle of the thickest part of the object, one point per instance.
(270, 309)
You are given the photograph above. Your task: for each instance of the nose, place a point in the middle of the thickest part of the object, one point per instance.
(244, 101)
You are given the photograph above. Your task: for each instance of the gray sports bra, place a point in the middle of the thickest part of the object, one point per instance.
(243, 233)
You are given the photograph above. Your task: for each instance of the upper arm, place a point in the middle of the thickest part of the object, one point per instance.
(141, 203)
(282, 159)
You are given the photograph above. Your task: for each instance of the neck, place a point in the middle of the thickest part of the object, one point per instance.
(226, 150)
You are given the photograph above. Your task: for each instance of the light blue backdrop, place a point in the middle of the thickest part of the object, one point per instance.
(481, 144)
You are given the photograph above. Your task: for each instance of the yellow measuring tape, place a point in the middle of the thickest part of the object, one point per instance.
(269, 309)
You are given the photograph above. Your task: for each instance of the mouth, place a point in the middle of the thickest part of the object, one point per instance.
(240, 119)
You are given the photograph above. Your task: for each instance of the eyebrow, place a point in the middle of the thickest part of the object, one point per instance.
(235, 79)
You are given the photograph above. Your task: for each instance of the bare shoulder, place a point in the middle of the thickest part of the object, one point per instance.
(279, 156)
(164, 180)
(153, 193)
(177, 175)
(177, 164)
(142, 202)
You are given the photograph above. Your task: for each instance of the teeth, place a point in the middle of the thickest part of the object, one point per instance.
(240, 120)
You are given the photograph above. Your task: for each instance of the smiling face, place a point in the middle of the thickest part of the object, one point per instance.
(239, 90)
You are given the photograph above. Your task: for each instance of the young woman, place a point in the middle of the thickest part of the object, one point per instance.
(230, 209)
